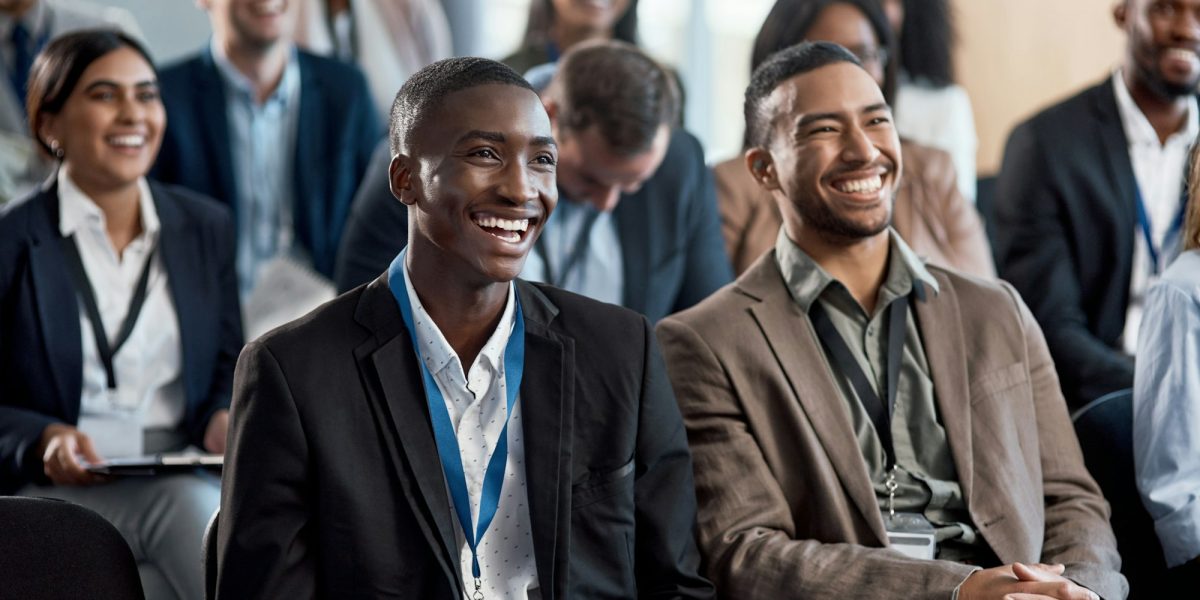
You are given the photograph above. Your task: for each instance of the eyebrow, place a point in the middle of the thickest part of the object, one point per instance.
(110, 83)
(807, 119)
(499, 138)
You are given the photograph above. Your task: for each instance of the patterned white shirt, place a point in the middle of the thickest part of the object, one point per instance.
(476, 402)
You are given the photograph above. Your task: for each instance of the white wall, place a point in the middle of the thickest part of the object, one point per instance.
(171, 28)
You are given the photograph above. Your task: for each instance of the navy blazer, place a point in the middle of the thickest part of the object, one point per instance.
(41, 349)
(1065, 214)
(671, 244)
(335, 135)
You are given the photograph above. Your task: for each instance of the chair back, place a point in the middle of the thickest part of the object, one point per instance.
(1105, 430)
(54, 549)
(209, 553)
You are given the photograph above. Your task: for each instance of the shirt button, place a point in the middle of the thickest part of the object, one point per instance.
(871, 331)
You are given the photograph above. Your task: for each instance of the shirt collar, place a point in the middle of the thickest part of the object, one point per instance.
(806, 280)
(76, 210)
(35, 20)
(238, 83)
(436, 352)
(1138, 130)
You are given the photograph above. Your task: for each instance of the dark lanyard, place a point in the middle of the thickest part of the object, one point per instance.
(1148, 232)
(443, 427)
(577, 251)
(843, 361)
(84, 287)
(19, 76)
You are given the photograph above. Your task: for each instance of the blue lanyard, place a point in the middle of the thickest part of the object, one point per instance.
(1148, 232)
(443, 427)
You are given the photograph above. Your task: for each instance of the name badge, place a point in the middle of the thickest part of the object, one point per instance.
(911, 534)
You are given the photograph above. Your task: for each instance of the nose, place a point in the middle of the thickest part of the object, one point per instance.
(516, 185)
(130, 110)
(1186, 24)
(858, 147)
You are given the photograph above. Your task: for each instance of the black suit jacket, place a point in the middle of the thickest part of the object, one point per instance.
(336, 132)
(1065, 218)
(333, 487)
(41, 348)
(670, 233)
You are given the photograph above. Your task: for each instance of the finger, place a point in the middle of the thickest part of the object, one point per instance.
(1056, 568)
(1061, 589)
(1027, 597)
(88, 450)
(69, 462)
(1038, 572)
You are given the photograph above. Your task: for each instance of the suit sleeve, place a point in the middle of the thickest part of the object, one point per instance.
(746, 532)
(667, 562)
(1033, 255)
(1077, 532)
(707, 263)
(230, 337)
(377, 228)
(264, 542)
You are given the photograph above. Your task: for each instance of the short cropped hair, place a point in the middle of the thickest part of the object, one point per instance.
(429, 86)
(60, 65)
(618, 88)
(778, 68)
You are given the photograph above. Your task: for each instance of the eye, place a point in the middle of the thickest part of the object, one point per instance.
(878, 121)
(147, 95)
(822, 129)
(487, 153)
(103, 95)
(545, 159)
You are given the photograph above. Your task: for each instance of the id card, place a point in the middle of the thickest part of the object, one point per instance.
(911, 534)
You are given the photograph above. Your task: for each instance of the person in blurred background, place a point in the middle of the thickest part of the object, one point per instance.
(1166, 402)
(119, 320)
(930, 107)
(387, 40)
(929, 212)
(556, 25)
(1089, 199)
(26, 26)
(280, 135)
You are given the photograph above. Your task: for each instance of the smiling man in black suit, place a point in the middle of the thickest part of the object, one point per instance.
(446, 431)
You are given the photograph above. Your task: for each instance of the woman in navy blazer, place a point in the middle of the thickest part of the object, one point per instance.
(93, 104)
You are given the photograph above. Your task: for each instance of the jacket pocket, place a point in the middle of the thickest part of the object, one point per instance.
(600, 485)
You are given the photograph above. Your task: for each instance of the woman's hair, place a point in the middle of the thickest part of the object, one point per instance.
(1191, 222)
(541, 17)
(789, 21)
(59, 66)
(927, 39)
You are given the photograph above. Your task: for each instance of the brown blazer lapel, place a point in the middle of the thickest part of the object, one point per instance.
(940, 324)
(794, 343)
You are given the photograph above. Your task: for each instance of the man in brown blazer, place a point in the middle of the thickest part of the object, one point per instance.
(845, 446)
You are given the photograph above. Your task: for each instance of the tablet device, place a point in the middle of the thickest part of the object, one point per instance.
(158, 464)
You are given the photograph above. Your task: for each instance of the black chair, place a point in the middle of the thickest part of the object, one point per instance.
(210, 557)
(55, 549)
(1105, 430)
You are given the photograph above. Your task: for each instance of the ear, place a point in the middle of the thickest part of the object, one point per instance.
(762, 168)
(1121, 13)
(400, 178)
(48, 129)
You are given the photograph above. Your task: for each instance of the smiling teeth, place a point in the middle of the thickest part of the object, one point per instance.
(505, 224)
(856, 186)
(129, 141)
(1182, 53)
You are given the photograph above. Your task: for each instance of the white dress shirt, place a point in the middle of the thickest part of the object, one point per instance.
(1159, 169)
(149, 366)
(1166, 409)
(940, 117)
(477, 406)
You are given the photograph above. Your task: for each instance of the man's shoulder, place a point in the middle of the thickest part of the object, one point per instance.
(345, 80)
(1070, 114)
(318, 337)
(585, 318)
(180, 70)
(980, 300)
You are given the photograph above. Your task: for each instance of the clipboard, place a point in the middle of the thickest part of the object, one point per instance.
(159, 464)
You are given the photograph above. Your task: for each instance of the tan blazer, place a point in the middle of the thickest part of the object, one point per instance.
(929, 213)
(786, 507)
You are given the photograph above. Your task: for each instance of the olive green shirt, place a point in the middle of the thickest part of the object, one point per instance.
(925, 471)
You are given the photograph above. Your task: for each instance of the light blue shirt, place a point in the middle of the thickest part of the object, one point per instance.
(1166, 408)
(262, 142)
(600, 271)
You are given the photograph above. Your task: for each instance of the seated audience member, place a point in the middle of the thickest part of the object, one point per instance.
(930, 214)
(1166, 402)
(930, 107)
(283, 137)
(554, 26)
(119, 321)
(637, 225)
(865, 425)
(389, 40)
(588, 492)
(26, 26)
(1088, 200)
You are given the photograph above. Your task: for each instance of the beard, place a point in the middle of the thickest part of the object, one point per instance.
(1153, 79)
(841, 226)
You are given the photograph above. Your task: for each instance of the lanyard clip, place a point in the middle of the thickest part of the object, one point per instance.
(478, 595)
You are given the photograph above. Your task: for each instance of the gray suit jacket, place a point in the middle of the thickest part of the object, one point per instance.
(786, 507)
